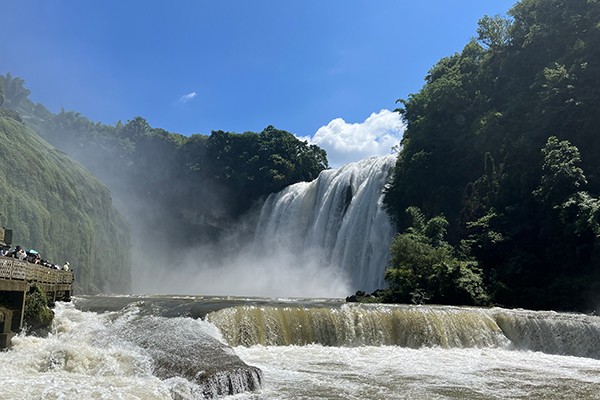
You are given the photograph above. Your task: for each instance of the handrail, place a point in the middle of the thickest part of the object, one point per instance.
(14, 269)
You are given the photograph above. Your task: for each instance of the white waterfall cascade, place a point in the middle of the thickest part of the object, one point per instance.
(336, 221)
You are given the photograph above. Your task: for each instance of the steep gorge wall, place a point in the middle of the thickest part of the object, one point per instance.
(57, 207)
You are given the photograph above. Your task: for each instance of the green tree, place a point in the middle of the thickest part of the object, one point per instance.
(15, 93)
(255, 165)
(562, 176)
(561, 192)
(424, 268)
(494, 32)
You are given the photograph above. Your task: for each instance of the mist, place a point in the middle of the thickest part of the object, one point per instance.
(201, 272)
(241, 262)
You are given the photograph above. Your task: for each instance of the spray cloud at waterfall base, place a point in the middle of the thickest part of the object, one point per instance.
(245, 274)
(324, 238)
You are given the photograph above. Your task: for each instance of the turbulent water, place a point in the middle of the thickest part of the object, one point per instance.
(196, 347)
(336, 221)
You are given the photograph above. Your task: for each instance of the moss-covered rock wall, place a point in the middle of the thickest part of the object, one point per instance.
(56, 206)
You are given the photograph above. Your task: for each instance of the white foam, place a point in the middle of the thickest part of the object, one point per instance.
(80, 360)
(390, 372)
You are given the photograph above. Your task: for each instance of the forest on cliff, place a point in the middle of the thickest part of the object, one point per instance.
(502, 142)
(54, 205)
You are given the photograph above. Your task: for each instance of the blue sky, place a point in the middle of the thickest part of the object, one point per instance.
(194, 66)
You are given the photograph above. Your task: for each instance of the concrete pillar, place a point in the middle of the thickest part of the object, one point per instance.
(5, 339)
(6, 325)
(22, 309)
(5, 320)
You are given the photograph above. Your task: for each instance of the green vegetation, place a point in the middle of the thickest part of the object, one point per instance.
(424, 267)
(135, 158)
(57, 207)
(502, 140)
(38, 316)
(254, 165)
(13, 91)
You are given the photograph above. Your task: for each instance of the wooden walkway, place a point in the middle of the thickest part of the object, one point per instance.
(12, 269)
(16, 279)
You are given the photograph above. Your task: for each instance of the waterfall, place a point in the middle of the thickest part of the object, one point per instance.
(410, 326)
(552, 332)
(336, 221)
(356, 325)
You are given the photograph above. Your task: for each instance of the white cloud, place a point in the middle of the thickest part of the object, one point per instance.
(348, 142)
(187, 97)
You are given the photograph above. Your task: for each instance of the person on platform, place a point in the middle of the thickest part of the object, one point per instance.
(13, 253)
(5, 251)
(21, 254)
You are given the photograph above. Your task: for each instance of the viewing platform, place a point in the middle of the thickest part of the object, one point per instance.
(16, 279)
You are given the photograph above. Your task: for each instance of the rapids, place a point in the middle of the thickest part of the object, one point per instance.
(410, 326)
(163, 347)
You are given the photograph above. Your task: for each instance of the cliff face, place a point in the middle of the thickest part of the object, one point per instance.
(56, 206)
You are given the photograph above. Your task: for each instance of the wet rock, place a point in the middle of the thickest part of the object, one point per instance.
(179, 347)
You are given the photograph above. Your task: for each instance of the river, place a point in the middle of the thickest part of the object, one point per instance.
(157, 347)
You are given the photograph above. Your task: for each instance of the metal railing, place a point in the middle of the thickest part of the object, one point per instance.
(13, 269)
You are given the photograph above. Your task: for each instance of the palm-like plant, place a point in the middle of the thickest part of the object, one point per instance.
(14, 91)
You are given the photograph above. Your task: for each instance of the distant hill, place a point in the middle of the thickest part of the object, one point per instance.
(56, 206)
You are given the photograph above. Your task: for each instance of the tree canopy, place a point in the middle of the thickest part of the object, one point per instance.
(502, 140)
(425, 268)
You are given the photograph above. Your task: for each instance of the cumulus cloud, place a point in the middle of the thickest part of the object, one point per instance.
(187, 97)
(348, 142)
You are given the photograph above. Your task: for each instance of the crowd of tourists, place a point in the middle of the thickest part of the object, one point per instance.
(31, 256)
